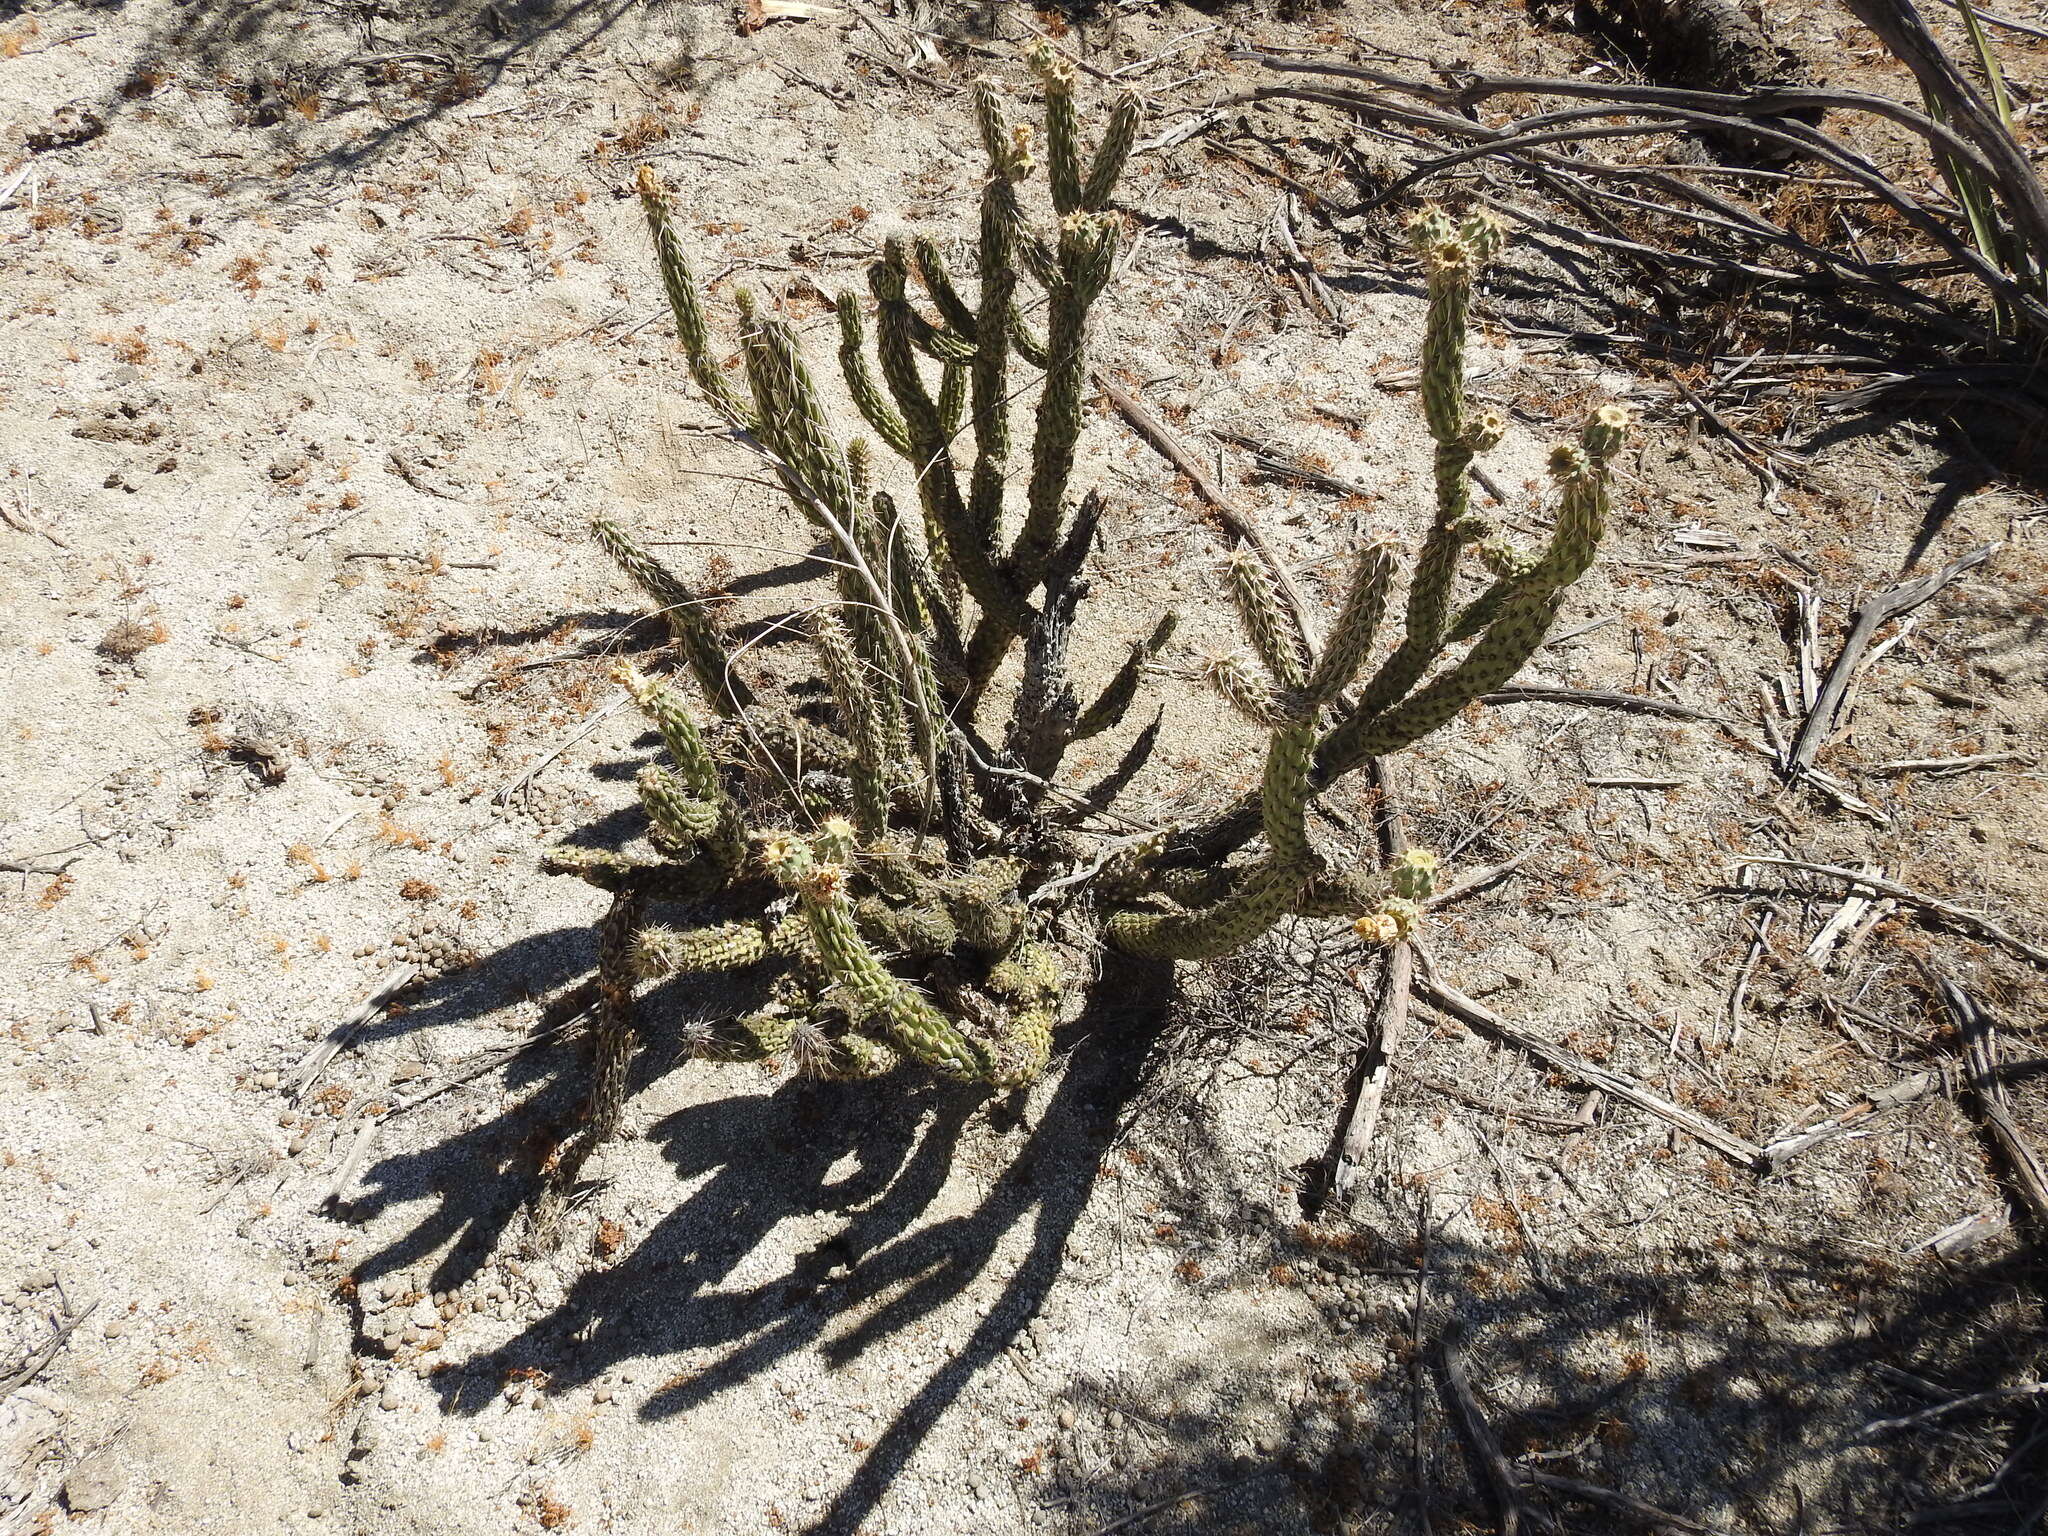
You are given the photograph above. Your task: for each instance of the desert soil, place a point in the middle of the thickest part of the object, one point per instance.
(331, 325)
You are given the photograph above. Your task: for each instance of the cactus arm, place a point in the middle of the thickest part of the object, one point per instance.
(685, 614)
(867, 395)
(660, 952)
(1118, 138)
(1264, 897)
(1350, 639)
(1087, 256)
(870, 765)
(686, 304)
(1276, 635)
(613, 1039)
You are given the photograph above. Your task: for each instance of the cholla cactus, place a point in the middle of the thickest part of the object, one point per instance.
(882, 891)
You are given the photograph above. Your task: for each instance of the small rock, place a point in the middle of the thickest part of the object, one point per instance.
(1066, 1418)
(94, 1484)
(388, 1400)
(39, 1280)
(116, 1327)
(1116, 1418)
(602, 1395)
(266, 1079)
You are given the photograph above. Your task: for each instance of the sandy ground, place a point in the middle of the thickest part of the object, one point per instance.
(326, 338)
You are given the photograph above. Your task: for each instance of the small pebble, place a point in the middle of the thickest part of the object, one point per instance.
(602, 1395)
(1066, 1418)
(266, 1079)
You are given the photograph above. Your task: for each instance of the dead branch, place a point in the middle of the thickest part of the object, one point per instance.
(1893, 602)
(1502, 1483)
(1918, 1086)
(1980, 1060)
(1448, 1000)
(1962, 917)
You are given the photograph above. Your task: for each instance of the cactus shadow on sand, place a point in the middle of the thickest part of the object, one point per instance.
(757, 1159)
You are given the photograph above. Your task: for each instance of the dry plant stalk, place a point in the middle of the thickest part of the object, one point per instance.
(865, 884)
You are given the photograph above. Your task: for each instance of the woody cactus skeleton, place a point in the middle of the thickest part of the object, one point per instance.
(886, 885)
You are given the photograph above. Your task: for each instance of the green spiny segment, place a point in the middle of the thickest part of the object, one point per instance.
(1107, 168)
(1241, 687)
(677, 728)
(1284, 795)
(1350, 642)
(686, 305)
(983, 903)
(686, 614)
(1275, 635)
(1062, 133)
(913, 1025)
(618, 873)
(661, 952)
(857, 1058)
(867, 395)
(1087, 255)
(679, 819)
(914, 932)
(1413, 874)
(1030, 982)
(852, 691)
(1267, 895)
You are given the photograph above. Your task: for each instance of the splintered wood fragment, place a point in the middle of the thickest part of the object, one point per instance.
(1980, 1060)
(1759, 939)
(1961, 1236)
(1501, 1480)
(1918, 1086)
(1457, 1005)
(1390, 1018)
(318, 1059)
(1846, 916)
(1473, 884)
(1893, 602)
(358, 1152)
(33, 1364)
(1390, 1015)
(1962, 917)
